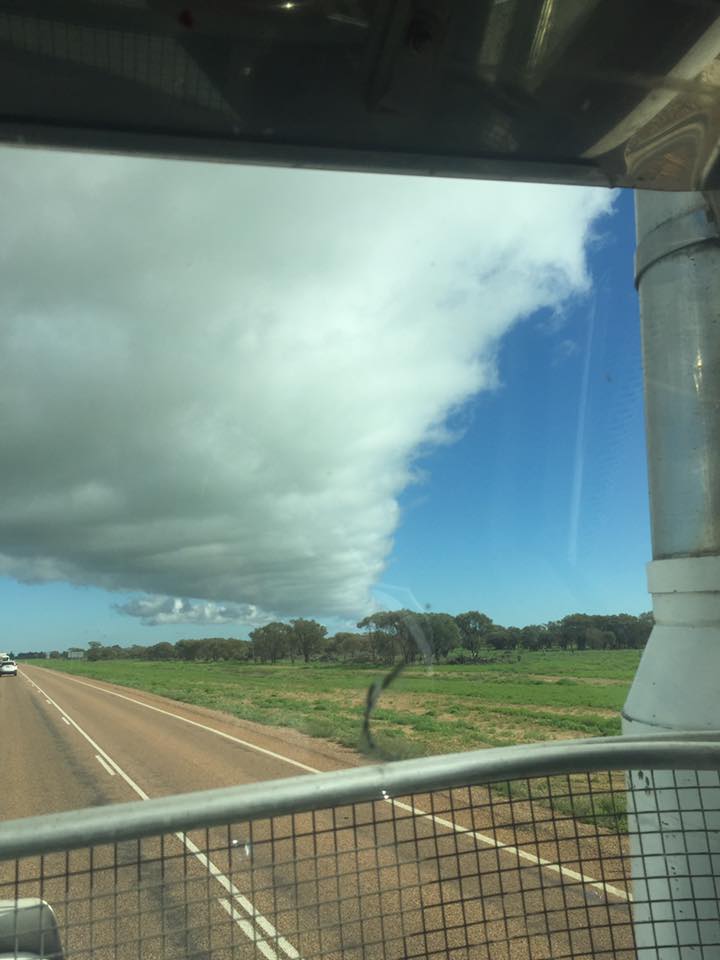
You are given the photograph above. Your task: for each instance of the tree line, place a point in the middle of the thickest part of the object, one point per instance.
(388, 636)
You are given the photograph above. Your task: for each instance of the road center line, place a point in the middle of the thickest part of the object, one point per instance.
(457, 828)
(105, 765)
(260, 921)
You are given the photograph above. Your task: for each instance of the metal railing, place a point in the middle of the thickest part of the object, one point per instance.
(521, 852)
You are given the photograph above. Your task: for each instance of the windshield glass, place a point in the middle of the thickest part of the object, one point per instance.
(259, 418)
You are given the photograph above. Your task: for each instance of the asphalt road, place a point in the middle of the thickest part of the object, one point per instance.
(375, 880)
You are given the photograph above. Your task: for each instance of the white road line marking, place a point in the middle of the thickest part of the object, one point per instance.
(516, 852)
(201, 726)
(247, 906)
(105, 765)
(247, 929)
(212, 869)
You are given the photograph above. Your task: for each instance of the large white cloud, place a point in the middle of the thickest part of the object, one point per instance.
(213, 379)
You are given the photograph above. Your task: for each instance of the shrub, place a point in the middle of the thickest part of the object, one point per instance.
(459, 655)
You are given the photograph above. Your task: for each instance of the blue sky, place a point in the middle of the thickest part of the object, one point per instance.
(540, 509)
(446, 414)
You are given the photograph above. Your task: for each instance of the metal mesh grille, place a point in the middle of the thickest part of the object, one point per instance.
(533, 868)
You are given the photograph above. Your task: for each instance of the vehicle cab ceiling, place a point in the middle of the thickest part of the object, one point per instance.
(582, 91)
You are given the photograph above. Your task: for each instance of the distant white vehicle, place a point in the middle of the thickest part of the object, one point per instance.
(8, 668)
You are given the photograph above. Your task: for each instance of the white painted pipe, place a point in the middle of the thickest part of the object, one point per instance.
(674, 817)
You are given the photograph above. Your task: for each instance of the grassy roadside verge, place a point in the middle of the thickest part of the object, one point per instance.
(426, 711)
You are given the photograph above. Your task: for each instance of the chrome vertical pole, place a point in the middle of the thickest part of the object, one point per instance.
(674, 818)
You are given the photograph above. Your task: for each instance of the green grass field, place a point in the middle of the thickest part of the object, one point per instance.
(440, 709)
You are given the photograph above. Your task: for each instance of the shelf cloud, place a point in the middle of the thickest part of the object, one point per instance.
(215, 380)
